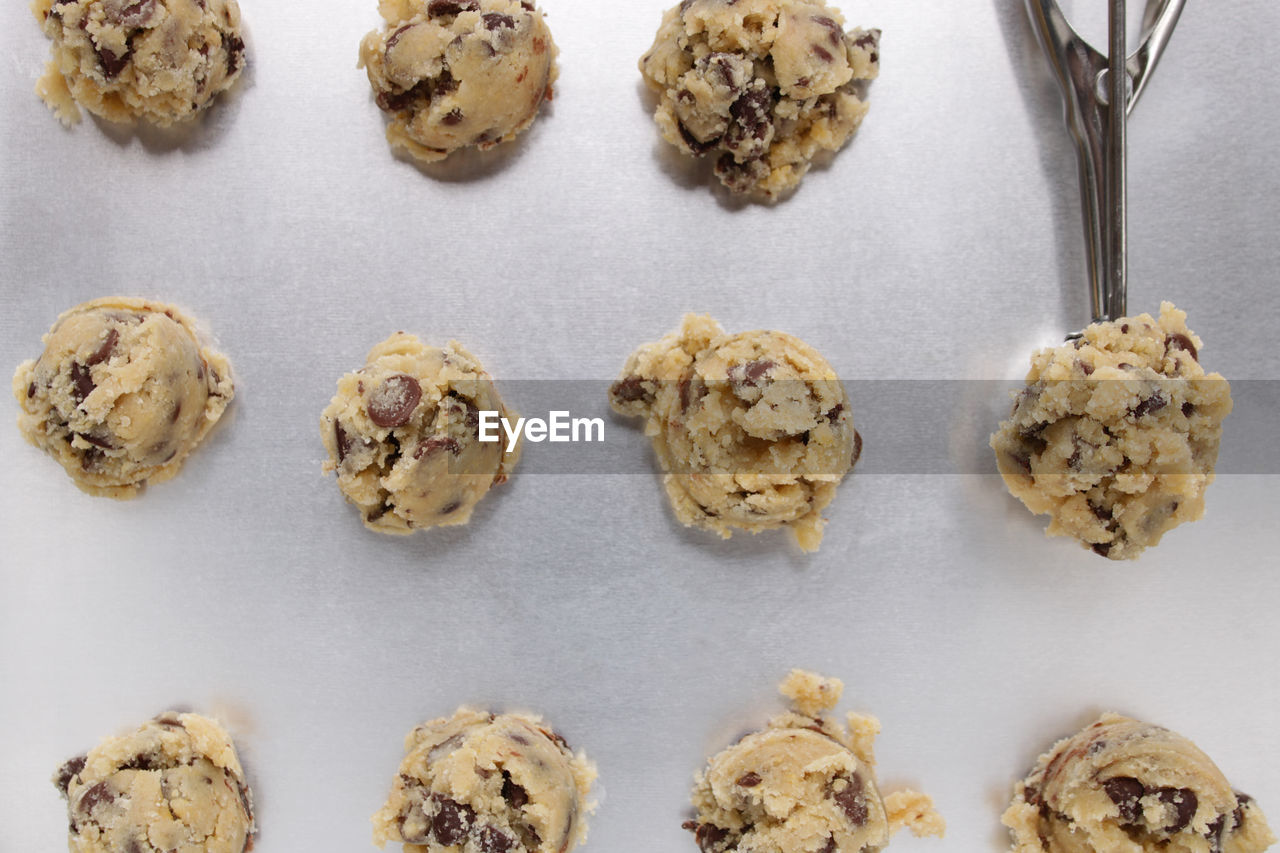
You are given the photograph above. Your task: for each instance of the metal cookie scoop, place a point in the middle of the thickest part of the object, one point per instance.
(1098, 92)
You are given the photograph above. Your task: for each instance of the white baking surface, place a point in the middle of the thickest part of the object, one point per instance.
(943, 243)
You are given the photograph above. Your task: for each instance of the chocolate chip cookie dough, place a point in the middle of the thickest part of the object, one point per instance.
(804, 784)
(123, 392)
(753, 430)
(1121, 784)
(403, 436)
(1116, 435)
(162, 61)
(484, 783)
(760, 86)
(454, 73)
(174, 784)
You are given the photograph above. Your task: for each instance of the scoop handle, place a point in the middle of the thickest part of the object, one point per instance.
(1098, 93)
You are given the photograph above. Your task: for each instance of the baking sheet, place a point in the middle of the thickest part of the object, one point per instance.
(942, 245)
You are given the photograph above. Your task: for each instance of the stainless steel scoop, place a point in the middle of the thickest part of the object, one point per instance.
(1098, 93)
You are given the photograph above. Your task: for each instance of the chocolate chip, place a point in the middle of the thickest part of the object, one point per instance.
(392, 402)
(723, 69)
(494, 840)
(394, 38)
(130, 15)
(145, 761)
(96, 441)
(1188, 409)
(513, 793)
(749, 779)
(821, 52)
(833, 28)
(346, 441)
(557, 740)
(497, 20)
(751, 373)
(707, 835)
(82, 383)
(1154, 403)
(103, 352)
(1125, 791)
(1085, 367)
(831, 845)
(1031, 795)
(392, 102)
(754, 110)
(99, 794)
(452, 820)
(690, 392)
(1183, 801)
(453, 117)
(436, 444)
(69, 771)
(1102, 549)
(857, 450)
(31, 390)
(850, 799)
(1215, 832)
(111, 64)
(439, 8)
(1124, 328)
(696, 146)
(629, 390)
(835, 411)
(1177, 340)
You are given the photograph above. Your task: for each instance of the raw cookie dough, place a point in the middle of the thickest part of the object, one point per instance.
(174, 785)
(753, 430)
(485, 783)
(804, 785)
(762, 86)
(403, 435)
(123, 392)
(453, 73)
(1116, 434)
(158, 60)
(1124, 785)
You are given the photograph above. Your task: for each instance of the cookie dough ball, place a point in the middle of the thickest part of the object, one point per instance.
(761, 86)
(485, 783)
(1116, 434)
(403, 435)
(123, 392)
(162, 61)
(753, 430)
(175, 784)
(453, 73)
(1126, 785)
(804, 784)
